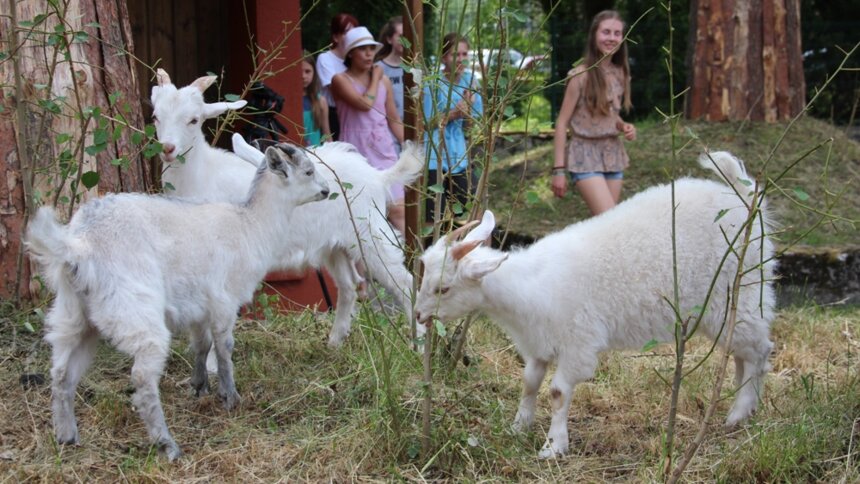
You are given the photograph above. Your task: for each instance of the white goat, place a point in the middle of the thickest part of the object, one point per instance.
(192, 168)
(331, 235)
(133, 267)
(603, 284)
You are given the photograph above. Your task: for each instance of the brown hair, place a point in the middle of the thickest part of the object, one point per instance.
(388, 30)
(451, 41)
(313, 93)
(340, 23)
(595, 83)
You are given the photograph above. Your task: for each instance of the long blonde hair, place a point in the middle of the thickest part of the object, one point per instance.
(595, 82)
(313, 93)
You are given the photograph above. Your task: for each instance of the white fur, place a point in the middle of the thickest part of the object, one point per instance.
(331, 235)
(604, 284)
(133, 267)
(192, 168)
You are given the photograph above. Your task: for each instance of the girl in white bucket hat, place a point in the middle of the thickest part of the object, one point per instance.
(367, 113)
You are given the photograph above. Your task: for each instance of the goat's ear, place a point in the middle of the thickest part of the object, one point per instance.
(214, 110)
(275, 158)
(290, 152)
(475, 268)
(203, 83)
(162, 77)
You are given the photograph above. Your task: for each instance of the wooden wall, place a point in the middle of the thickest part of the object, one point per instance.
(189, 38)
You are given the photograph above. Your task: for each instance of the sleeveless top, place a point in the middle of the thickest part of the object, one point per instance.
(596, 144)
(313, 134)
(368, 130)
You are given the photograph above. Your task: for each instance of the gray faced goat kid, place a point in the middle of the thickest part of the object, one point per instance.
(604, 284)
(335, 234)
(132, 267)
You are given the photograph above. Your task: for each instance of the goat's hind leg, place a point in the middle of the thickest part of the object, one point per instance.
(223, 335)
(342, 270)
(385, 265)
(751, 361)
(201, 343)
(149, 344)
(73, 344)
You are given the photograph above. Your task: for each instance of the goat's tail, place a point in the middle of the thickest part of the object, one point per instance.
(408, 166)
(47, 242)
(730, 169)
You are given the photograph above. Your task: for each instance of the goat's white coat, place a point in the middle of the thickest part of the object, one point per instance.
(604, 284)
(192, 168)
(333, 235)
(133, 267)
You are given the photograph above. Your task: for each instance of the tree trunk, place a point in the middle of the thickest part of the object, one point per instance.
(69, 106)
(744, 60)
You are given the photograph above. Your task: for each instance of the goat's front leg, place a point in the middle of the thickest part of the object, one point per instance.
(533, 375)
(224, 352)
(571, 370)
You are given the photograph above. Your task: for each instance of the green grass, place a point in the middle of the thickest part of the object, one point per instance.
(309, 413)
(520, 193)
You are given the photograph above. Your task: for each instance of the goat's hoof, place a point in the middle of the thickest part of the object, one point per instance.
(335, 342)
(170, 450)
(520, 427)
(550, 452)
(72, 439)
(231, 400)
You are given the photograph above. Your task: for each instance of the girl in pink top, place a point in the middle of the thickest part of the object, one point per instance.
(367, 113)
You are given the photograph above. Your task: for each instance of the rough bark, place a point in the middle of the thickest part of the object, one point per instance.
(94, 68)
(745, 61)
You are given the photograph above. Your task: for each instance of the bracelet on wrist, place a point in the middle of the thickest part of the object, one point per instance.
(559, 170)
(371, 97)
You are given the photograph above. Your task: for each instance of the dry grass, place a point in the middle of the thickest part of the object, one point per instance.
(310, 414)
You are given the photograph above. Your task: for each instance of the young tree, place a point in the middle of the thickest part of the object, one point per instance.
(68, 105)
(744, 60)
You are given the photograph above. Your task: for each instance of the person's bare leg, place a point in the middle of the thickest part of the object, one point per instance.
(615, 189)
(596, 193)
(397, 216)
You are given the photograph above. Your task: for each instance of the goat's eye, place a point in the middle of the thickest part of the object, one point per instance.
(309, 173)
(444, 290)
(193, 121)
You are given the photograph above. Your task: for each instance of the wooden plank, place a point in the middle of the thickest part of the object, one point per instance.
(139, 20)
(160, 23)
(186, 49)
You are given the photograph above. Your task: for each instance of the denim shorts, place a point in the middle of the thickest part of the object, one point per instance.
(609, 175)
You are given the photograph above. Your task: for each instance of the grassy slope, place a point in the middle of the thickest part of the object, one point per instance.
(830, 175)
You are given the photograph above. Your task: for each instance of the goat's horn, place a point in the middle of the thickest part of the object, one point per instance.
(162, 77)
(203, 83)
(455, 235)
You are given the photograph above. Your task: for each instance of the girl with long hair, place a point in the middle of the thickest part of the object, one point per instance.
(314, 105)
(597, 91)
